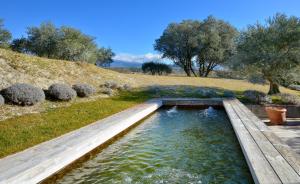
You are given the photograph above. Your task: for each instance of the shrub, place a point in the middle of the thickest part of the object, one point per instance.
(1, 100)
(111, 85)
(228, 93)
(207, 92)
(125, 87)
(120, 87)
(84, 90)
(295, 87)
(289, 98)
(23, 94)
(107, 91)
(156, 68)
(61, 92)
(257, 97)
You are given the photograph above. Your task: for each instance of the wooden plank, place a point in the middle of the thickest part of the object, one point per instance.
(41, 161)
(261, 170)
(286, 151)
(289, 135)
(282, 168)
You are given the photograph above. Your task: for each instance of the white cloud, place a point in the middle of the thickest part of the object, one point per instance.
(137, 58)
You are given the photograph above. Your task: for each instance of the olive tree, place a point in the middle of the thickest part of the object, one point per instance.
(43, 40)
(217, 44)
(20, 45)
(156, 68)
(104, 57)
(76, 46)
(270, 50)
(64, 42)
(179, 42)
(5, 35)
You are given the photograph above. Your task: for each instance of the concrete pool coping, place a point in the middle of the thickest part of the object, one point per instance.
(269, 159)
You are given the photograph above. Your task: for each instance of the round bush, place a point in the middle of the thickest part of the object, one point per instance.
(84, 90)
(61, 92)
(23, 94)
(111, 85)
(1, 100)
(127, 87)
(108, 91)
(257, 97)
(206, 92)
(295, 87)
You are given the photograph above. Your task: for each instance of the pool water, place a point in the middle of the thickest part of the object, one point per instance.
(171, 146)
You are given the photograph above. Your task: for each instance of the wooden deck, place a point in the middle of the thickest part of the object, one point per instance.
(270, 160)
(289, 133)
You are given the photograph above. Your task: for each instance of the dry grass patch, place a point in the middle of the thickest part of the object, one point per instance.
(42, 72)
(228, 84)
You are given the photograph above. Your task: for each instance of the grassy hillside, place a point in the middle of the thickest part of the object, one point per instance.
(42, 72)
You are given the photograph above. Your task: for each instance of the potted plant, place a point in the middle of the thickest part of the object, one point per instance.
(277, 115)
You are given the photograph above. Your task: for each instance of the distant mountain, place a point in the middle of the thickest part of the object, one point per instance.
(125, 64)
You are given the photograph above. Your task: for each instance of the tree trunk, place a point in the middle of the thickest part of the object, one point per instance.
(274, 88)
(207, 72)
(193, 72)
(187, 71)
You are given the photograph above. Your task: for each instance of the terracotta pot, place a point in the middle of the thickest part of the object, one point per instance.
(277, 115)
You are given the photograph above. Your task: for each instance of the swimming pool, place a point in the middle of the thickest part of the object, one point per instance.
(173, 145)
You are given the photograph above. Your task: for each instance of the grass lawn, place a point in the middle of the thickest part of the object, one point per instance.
(22, 132)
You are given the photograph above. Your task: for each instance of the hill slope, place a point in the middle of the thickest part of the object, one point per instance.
(42, 72)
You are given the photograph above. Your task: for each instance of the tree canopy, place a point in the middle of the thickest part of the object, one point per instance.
(104, 57)
(193, 43)
(156, 68)
(5, 36)
(216, 44)
(61, 43)
(179, 42)
(43, 41)
(270, 50)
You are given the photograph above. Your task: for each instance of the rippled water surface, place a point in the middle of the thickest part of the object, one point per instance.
(171, 146)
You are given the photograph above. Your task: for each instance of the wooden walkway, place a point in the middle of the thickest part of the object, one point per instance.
(270, 160)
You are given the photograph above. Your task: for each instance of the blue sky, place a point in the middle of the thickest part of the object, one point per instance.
(130, 27)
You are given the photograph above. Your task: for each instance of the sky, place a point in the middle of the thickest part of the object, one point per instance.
(130, 27)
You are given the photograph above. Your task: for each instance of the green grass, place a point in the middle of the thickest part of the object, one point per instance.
(22, 132)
